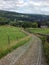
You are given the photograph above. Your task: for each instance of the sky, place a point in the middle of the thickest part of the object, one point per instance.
(26, 6)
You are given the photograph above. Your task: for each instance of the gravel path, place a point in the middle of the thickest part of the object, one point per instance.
(33, 55)
(28, 54)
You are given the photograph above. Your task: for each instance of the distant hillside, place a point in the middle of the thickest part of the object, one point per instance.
(24, 17)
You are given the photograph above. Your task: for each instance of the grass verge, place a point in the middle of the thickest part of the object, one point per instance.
(46, 49)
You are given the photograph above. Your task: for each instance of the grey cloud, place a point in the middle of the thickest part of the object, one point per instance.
(28, 6)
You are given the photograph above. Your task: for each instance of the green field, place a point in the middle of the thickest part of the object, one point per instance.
(9, 36)
(13, 33)
(39, 30)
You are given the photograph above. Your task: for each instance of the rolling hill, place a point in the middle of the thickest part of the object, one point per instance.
(24, 17)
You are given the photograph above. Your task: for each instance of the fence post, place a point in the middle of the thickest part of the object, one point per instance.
(8, 40)
(48, 38)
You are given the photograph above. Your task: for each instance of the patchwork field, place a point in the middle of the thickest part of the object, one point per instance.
(39, 30)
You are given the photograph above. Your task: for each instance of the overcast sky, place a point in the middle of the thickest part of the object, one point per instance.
(26, 6)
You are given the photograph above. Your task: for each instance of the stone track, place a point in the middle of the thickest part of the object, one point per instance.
(33, 55)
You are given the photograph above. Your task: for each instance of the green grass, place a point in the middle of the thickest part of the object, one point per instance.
(45, 48)
(9, 34)
(22, 42)
(39, 30)
(46, 51)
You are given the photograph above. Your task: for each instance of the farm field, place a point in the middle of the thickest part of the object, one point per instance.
(39, 30)
(10, 32)
(9, 36)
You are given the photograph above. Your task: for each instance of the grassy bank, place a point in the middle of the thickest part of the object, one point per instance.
(46, 48)
(11, 48)
(9, 37)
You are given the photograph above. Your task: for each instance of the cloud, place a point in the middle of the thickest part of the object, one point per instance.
(26, 6)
